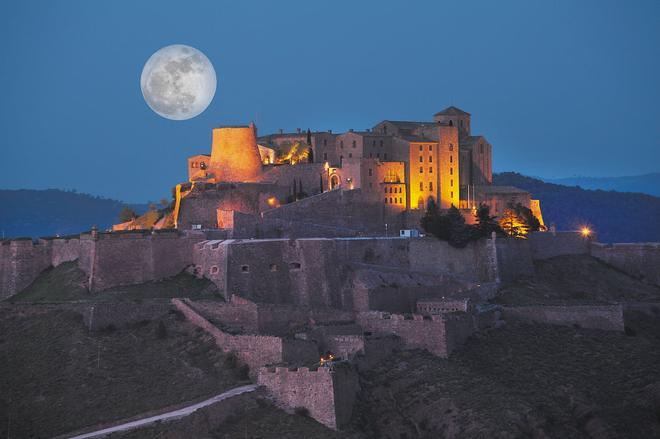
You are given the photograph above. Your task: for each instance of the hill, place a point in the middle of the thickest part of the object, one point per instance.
(50, 212)
(615, 216)
(645, 184)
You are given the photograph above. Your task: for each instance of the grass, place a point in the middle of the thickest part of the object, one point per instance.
(56, 377)
(576, 279)
(67, 282)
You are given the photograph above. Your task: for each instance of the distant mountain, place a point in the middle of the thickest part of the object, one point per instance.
(52, 212)
(615, 216)
(645, 184)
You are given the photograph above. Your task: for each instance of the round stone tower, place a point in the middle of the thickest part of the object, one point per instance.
(235, 154)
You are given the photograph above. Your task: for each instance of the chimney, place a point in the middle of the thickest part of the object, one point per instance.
(298, 129)
(281, 131)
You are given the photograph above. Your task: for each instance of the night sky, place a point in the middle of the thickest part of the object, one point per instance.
(559, 88)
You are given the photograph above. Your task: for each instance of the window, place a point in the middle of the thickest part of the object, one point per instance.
(350, 155)
(353, 144)
(294, 266)
(421, 185)
(430, 159)
(385, 200)
(430, 147)
(421, 159)
(390, 190)
(430, 170)
(451, 194)
(451, 171)
(245, 268)
(385, 156)
(325, 142)
(214, 269)
(481, 148)
(391, 201)
(451, 146)
(377, 155)
(371, 172)
(371, 155)
(421, 147)
(325, 156)
(431, 186)
(421, 170)
(451, 159)
(400, 200)
(381, 142)
(341, 144)
(451, 182)
(273, 267)
(451, 123)
(341, 159)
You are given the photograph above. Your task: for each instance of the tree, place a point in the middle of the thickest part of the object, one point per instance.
(518, 220)
(486, 224)
(127, 214)
(459, 232)
(293, 154)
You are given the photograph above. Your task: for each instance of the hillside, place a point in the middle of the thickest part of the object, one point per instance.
(615, 216)
(645, 184)
(50, 212)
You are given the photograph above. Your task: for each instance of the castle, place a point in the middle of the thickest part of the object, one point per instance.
(357, 183)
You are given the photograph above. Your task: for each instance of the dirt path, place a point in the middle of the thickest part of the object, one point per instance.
(180, 413)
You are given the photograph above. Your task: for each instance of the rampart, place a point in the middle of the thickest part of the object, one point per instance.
(608, 317)
(126, 258)
(327, 393)
(639, 260)
(546, 245)
(439, 334)
(22, 260)
(253, 350)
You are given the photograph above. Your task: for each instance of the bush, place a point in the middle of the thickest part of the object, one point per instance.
(301, 411)
(161, 330)
(231, 361)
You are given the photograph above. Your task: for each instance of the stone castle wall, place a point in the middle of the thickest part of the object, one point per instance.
(328, 394)
(639, 260)
(253, 350)
(437, 334)
(126, 258)
(514, 259)
(22, 260)
(546, 245)
(120, 315)
(608, 317)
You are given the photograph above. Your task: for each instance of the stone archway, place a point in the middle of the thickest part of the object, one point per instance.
(334, 181)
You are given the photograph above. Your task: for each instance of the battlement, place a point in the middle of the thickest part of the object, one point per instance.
(294, 370)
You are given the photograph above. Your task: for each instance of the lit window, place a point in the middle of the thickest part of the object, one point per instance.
(451, 146)
(421, 147)
(353, 144)
(430, 170)
(385, 190)
(451, 182)
(391, 201)
(421, 185)
(421, 159)
(431, 186)
(421, 170)
(400, 200)
(385, 200)
(430, 147)
(430, 159)
(451, 171)
(451, 159)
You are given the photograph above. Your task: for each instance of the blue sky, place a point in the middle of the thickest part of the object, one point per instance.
(559, 88)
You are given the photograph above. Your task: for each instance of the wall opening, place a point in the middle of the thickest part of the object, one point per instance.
(273, 267)
(214, 269)
(245, 268)
(294, 266)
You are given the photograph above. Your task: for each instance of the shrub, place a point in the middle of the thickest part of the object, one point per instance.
(301, 411)
(231, 361)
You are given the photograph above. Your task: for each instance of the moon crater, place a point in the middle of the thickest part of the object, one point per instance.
(178, 82)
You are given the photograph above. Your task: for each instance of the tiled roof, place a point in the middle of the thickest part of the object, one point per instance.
(416, 139)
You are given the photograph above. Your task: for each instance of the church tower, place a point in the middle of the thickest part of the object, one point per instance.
(453, 116)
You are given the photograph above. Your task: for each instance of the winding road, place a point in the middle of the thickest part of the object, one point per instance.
(180, 413)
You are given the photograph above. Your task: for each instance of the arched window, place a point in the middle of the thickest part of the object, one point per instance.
(421, 185)
(431, 186)
(451, 123)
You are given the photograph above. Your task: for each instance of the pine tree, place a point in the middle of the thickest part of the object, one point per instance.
(486, 224)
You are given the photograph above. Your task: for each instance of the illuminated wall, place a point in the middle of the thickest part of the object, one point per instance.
(424, 173)
(198, 166)
(235, 156)
(449, 161)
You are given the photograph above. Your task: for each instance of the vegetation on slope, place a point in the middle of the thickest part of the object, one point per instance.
(55, 212)
(615, 216)
(67, 282)
(57, 377)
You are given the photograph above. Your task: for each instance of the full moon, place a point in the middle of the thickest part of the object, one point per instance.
(178, 82)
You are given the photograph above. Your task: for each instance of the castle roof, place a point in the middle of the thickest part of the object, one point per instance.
(418, 139)
(408, 125)
(452, 111)
(470, 140)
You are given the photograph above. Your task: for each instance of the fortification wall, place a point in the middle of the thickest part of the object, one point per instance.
(253, 350)
(546, 245)
(416, 332)
(22, 261)
(64, 250)
(120, 315)
(239, 313)
(608, 317)
(639, 260)
(514, 259)
(126, 258)
(327, 394)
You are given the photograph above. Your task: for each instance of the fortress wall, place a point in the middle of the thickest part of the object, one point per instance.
(639, 260)
(546, 245)
(126, 258)
(345, 346)
(253, 350)
(65, 250)
(237, 313)
(379, 347)
(514, 259)
(22, 261)
(327, 394)
(608, 317)
(458, 327)
(282, 319)
(393, 251)
(210, 261)
(415, 333)
(120, 315)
